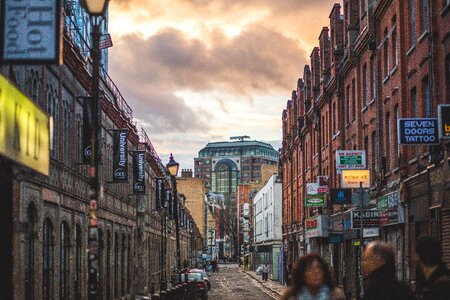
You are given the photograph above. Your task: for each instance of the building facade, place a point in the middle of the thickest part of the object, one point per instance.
(376, 63)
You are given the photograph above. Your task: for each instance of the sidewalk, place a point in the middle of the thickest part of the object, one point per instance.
(274, 286)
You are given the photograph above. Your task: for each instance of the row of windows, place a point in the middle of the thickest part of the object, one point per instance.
(238, 152)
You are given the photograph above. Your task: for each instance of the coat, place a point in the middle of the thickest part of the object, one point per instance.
(382, 285)
(437, 287)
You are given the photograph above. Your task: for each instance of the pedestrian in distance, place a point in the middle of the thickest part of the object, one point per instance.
(312, 280)
(433, 277)
(378, 270)
(265, 272)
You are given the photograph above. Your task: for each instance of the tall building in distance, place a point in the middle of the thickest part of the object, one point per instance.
(223, 166)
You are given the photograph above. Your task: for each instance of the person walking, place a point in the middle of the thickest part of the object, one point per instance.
(433, 277)
(312, 280)
(265, 272)
(378, 270)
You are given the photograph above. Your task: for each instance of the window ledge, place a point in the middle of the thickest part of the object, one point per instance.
(364, 109)
(445, 10)
(394, 70)
(386, 79)
(422, 37)
(411, 50)
(372, 102)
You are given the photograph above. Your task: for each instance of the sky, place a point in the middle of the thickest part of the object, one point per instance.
(200, 71)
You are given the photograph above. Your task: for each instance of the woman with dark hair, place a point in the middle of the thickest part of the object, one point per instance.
(311, 280)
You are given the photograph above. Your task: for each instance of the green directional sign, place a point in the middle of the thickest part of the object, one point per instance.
(318, 200)
(350, 160)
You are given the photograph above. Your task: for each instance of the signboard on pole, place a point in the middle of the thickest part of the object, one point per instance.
(340, 196)
(323, 184)
(415, 131)
(312, 188)
(120, 155)
(350, 159)
(24, 129)
(355, 178)
(444, 121)
(370, 218)
(31, 31)
(139, 172)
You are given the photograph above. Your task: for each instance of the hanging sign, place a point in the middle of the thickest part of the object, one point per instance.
(444, 121)
(312, 188)
(24, 129)
(139, 172)
(315, 200)
(120, 156)
(31, 31)
(350, 159)
(340, 196)
(160, 193)
(415, 131)
(355, 178)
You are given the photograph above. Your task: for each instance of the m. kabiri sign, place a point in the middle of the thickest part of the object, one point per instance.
(31, 31)
(24, 129)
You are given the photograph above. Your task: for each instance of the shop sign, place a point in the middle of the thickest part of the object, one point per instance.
(371, 232)
(318, 200)
(24, 129)
(31, 31)
(312, 188)
(340, 196)
(323, 184)
(316, 227)
(444, 121)
(370, 218)
(355, 178)
(392, 211)
(350, 159)
(415, 131)
(335, 238)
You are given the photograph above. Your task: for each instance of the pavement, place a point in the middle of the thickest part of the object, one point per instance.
(275, 286)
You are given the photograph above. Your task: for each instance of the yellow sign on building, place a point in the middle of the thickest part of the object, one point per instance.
(24, 129)
(355, 178)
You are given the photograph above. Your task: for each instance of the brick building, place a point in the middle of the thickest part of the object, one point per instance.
(378, 61)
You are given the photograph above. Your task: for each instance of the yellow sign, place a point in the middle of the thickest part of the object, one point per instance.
(24, 129)
(355, 178)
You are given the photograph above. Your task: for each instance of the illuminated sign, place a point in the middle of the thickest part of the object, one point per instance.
(31, 31)
(414, 131)
(24, 129)
(355, 178)
(444, 121)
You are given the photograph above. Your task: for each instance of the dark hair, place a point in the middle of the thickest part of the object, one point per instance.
(429, 251)
(300, 266)
(386, 253)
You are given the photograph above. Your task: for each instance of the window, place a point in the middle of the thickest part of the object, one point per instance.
(386, 53)
(388, 140)
(373, 155)
(373, 82)
(78, 260)
(414, 112)
(334, 117)
(424, 15)
(364, 84)
(394, 43)
(101, 251)
(426, 97)
(64, 261)
(353, 99)
(116, 265)
(48, 253)
(348, 104)
(129, 264)
(29, 252)
(412, 23)
(108, 265)
(122, 264)
(396, 116)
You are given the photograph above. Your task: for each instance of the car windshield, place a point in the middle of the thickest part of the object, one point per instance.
(198, 271)
(192, 277)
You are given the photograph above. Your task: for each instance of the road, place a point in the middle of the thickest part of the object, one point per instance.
(232, 284)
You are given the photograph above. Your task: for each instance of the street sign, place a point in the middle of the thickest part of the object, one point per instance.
(444, 121)
(24, 129)
(355, 178)
(315, 200)
(415, 131)
(340, 196)
(350, 159)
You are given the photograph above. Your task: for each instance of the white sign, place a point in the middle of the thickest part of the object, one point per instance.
(371, 232)
(31, 31)
(312, 188)
(355, 179)
(350, 159)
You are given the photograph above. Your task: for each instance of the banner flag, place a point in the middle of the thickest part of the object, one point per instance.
(120, 155)
(139, 172)
(160, 194)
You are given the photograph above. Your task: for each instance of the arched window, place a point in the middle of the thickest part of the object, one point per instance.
(64, 261)
(48, 253)
(129, 264)
(116, 265)
(78, 261)
(29, 252)
(224, 177)
(101, 249)
(108, 265)
(122, 264)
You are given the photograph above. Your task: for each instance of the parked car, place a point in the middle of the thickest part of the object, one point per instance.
(202, 289)
(205, 276)
(259, 270)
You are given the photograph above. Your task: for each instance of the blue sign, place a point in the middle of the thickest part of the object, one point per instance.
(415, 131)
(335, 238)
(340, 196)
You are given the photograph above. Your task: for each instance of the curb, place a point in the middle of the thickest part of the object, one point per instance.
(261, 282)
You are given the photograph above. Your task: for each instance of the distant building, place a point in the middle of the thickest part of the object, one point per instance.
(223, 166)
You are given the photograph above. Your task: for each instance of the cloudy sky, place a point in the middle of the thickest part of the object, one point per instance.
(199, 71)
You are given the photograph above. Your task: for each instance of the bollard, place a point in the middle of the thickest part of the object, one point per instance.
(155, 297)
(163, 295)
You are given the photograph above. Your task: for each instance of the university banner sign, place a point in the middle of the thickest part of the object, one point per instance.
(160, 194)
(139, 172)
(415, 131)
(350, 159)
(31, 31)
(120, 155)
(24, 129)
(444, 121)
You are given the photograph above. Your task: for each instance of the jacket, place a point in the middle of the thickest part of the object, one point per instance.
(437, 287)
(381, 284)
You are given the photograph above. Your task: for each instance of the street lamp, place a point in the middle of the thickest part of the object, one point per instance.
(172, 167)
(95, 9)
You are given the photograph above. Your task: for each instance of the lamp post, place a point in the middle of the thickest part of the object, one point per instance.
(96, 10)
(172, 167)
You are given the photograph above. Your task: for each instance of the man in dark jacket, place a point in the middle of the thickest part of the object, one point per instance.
(433, 277)
(378, 269)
